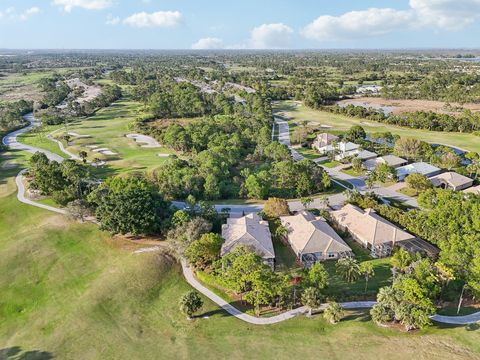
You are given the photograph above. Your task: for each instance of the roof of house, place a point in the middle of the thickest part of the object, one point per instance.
(325, 139)
(368, 226)
(343, 147)
(418, 167)
(365, 155)
(393, 160)
(249, 230)
(309, 234)
(473, 190)
(452, 178)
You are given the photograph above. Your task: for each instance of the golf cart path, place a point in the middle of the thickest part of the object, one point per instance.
(11, 140)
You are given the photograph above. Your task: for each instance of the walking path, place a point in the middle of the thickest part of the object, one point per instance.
(60, 145)
(11, 140)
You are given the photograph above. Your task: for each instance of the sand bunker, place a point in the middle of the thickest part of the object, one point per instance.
(147, 141)
(74, 134)
(105, 151)
(163, 155)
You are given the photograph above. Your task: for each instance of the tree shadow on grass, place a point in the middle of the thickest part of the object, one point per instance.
(358, 315)
(16, 353)
(211, 313)
(469, 327)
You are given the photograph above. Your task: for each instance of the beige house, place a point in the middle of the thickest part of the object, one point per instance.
(473, 190)
(451, 180)
(312, 239)
(371, 230)
(323, 140)
(390, 160)
(250, 231)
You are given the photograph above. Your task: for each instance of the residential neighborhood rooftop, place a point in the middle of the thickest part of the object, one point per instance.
(451, 180)
(310, 234)
(473, 190)
(418, 168)
(249, 230)
(368, 226)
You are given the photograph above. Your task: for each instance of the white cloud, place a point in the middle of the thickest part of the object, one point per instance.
(435, 14)
(112, 20)
(69, 5)
(356, 24)
(29, 12)
(208, 43)
(270, 36)
(446, 14)
(156, 19)
(11, 13)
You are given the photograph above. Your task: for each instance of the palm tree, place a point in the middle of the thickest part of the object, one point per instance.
(366, 268)
(190, 303)
(312, 298)
(348, 268)
(333, 313)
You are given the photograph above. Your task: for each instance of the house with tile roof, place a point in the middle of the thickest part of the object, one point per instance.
(313, 239)
(451, 180)
(250, 231)
(377, 234)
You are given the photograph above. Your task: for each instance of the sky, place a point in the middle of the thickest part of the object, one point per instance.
(240, 24)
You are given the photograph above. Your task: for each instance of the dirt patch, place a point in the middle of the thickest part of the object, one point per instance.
(56, 221)
(401, 106)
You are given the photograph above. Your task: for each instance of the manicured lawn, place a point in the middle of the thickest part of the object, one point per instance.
(330, 164)
(38, 137)
(106, 129)
(352, 172)
(408, 191)
(73, 292)
(341, 289)
(309, 154)
(339, 122)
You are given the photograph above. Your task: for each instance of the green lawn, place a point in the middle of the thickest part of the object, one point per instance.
(339, 122)
(408, 191)
(350, 171)
(330, 164)
(106, 129)
(339, 288)
(309, 154)
(72, 292)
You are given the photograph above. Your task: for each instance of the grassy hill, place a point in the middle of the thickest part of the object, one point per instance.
(73, 292)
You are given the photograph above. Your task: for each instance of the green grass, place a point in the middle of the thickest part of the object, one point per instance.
(38, 137)
(330, 164)
(73, 292)
(408, 191)
(107, 129)
(309, 154)
(465, 141)
(350, 171)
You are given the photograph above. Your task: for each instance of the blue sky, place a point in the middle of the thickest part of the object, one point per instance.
(185, 24)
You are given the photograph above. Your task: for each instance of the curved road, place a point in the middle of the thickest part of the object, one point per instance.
(11, 141)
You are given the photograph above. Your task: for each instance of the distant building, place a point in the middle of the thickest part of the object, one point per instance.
(417, 168)
(378, 234)
(250, 231)
(369, 89)
(390, 160)
(451, 180)
(312, 239)
(341, 149)
(323, 140)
